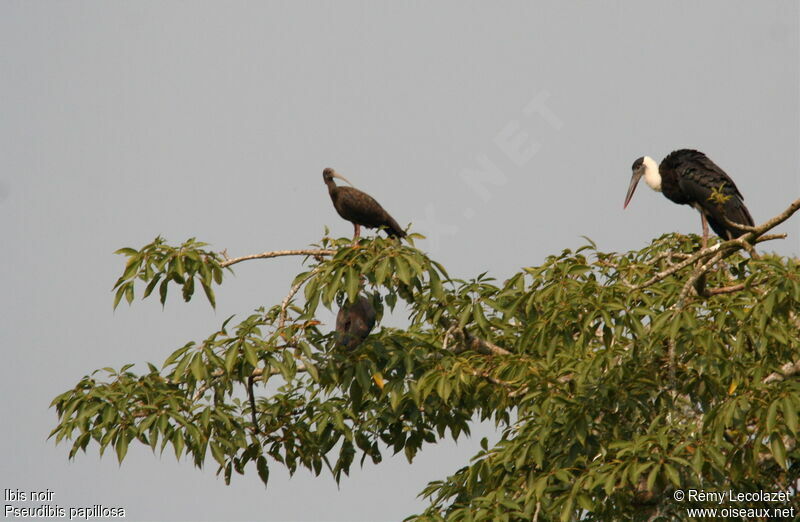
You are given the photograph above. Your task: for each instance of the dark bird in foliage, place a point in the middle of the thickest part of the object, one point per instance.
(358, 207)
(689, 177)
(354, 322)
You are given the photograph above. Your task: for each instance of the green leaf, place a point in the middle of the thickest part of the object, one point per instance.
(789, 414)
(209, 294)
(263, 470)
(698, 461)
(402, 270)
(778, 450)
(121, 446)
(119, 294)
(651, 478)
(381, 270)
(230, 358)
(437, 291)
(772, 414)
(217, 453)
(250, 354)
(151, 285)
(162, 291)
(585, 502)
(566, 511)
(181, 367)
(197, 367)
(672, 474)
(131, 267)
(352, 281)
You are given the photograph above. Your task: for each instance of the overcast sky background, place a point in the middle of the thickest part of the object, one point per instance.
(122, 121)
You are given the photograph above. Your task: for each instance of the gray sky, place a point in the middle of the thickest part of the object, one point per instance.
(121, 121)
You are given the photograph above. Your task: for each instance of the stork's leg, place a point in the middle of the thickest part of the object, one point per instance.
(705, 229)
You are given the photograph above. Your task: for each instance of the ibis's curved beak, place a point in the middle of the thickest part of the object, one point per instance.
(337, 175)
(637, 175)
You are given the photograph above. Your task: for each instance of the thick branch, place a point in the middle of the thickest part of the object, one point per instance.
(777, 220)
(787, 370)
(756, 235)
(316, 252)
(483, 346)
(724, 290)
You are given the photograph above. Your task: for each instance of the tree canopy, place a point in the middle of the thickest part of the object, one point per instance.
(614, 379)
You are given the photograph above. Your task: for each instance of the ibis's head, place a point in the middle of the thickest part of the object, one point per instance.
(328, 174)
(643, 167)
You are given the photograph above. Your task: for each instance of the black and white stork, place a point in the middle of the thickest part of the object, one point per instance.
(354, 322)
(689, 177)
(359, 208)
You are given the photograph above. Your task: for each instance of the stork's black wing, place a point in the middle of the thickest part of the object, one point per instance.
(705, 184)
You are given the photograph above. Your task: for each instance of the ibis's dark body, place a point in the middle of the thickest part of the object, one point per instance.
(361, 209)
(354, 322)
(689, 177)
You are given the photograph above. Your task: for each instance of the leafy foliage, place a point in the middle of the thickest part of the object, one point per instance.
(611, 389)
(160, 262)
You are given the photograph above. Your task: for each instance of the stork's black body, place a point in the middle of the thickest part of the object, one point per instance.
(354, 322)
(359, 208)
(689, 177)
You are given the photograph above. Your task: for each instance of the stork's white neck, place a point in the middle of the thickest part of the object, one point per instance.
(651, 174)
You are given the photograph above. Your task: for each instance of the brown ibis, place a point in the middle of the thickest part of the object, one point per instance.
(354, 322)
(689, 177)
(359, 208)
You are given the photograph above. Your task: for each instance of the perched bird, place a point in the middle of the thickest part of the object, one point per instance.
(354, 322)
(689, 177)
(359, 208)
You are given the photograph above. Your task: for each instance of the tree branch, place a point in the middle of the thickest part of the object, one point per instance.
(756, 235)
(292, 292)
(787, 370)
(315, 252)
(258, 372)
(483, 346)
(777, 220)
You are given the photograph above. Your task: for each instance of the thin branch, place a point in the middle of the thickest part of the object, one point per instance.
(697, 274)
(447, 336)
(728, 289)
(739, 226)
(315, 252)
(670, 254)
(467, 340)
(486, 375)
(700, 254)
(772, 223)
(258, 372)
(770, 237)
(292, 292)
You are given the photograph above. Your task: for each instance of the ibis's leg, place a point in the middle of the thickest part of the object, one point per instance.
(705, 229)
(356, 232)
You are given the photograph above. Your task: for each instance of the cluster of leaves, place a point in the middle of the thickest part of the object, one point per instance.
(159, 261)
(612, 419)
(609, 394)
